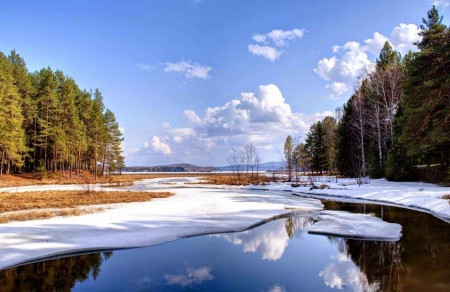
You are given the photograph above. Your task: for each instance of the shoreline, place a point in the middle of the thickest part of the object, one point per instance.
(193, 210)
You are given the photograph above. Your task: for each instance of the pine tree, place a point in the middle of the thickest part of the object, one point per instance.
(12, 136)
(426, 102)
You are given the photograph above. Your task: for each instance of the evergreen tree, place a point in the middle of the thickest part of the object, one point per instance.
(426, 101)
(12, 136)
(316, 148)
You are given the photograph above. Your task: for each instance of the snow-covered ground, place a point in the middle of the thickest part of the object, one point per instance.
(193, 210)
(415, 195)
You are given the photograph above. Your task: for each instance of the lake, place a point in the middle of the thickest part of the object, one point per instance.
(277, 256)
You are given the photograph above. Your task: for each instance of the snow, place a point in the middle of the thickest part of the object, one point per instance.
(346, 224)
(415, 195)
(204, 209)
(191, 211)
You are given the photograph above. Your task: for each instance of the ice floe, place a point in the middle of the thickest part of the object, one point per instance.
(342, 223)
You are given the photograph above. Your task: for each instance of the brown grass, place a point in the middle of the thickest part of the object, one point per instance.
(69, 199)
(27, 179)
(230, 179)
(43, 214)
(46, 204)
(446, 197)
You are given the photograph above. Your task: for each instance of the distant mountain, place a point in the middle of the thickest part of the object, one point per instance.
(180, 167)
(262, 167)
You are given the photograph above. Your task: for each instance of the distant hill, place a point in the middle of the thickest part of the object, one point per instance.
(262, 167)
(186, 167)
(180, 167)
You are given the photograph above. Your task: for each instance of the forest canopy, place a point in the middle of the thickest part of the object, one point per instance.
(47, 123)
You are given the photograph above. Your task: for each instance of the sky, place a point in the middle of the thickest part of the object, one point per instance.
(190, 80)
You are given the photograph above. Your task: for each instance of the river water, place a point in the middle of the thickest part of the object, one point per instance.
(277, 256)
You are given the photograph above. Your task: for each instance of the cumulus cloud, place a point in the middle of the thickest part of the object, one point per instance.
(269, 45)
(279, 37)
(190, 277)
(267, 52)
(353, 59)
(160, 146)
(189, 69)
(192, 116)
(263, 117)
(343, 70)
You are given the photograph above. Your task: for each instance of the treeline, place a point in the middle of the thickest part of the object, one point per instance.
(397, 122)
(47, 123)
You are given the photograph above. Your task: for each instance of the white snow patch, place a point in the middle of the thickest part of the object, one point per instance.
(191, 211)
(342, 223)
(416, 195)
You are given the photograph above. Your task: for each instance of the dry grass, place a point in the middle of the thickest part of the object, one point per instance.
(230, 179)
(46, 204)
(70, 199)
(446, 197)
(43, 214)
(27, 179)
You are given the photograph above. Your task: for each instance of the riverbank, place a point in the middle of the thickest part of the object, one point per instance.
(419, 196)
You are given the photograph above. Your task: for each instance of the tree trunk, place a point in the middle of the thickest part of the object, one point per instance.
(1, 164)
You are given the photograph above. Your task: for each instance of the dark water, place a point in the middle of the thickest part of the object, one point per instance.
(277, 256)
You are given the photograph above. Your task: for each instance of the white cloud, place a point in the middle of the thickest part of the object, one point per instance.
(279, 37)
(343, 70)
(190, 277)
(190, 70)
(267, 52)
(263, 117)
(160, 146)
(404, 36)
(180, 134)
(192, 116)
(375, 44)
(338, 88)
(402, 39)
(352, 60)
(269, 45)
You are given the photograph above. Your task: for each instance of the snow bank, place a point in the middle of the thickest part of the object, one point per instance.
(191, 211)
(415, 195)
(341, 223)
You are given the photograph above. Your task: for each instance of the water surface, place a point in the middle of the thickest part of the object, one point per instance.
(277, 256)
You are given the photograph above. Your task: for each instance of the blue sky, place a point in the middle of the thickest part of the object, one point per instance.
(189, 80)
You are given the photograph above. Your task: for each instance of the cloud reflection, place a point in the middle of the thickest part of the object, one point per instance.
(190, 277)
(271, 239)
(342, 272)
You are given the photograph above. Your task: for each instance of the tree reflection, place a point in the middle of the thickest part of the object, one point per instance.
(53, 275)
(419, 261)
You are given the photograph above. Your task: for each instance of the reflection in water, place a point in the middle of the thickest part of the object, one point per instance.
(277, 288)
(190, 277)
(419, 261)
(342, 272)
(53, 275)
(272, 240)
(276, 256)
